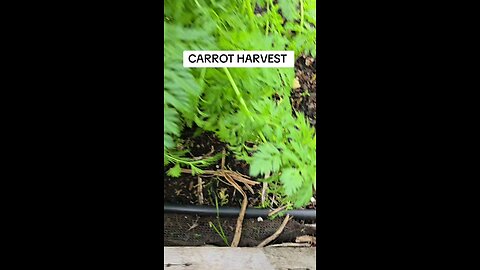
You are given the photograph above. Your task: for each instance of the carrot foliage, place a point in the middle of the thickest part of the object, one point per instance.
(241, 105)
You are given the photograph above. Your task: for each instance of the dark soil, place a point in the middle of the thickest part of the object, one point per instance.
(304, 98)
(188, 230)
(183, 190)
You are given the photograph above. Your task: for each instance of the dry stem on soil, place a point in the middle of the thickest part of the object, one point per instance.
(231, 176)
(276, 234)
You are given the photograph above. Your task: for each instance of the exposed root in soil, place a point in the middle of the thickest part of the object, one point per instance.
(235, 175)
(231, 178)
(238, 229)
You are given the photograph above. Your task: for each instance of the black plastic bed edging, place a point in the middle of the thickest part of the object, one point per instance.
(201, 210)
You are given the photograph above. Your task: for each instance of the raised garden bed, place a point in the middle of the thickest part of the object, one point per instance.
(231, 140)
(191, 226)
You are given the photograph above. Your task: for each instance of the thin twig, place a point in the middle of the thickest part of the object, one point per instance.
(238, 229)
(249, 188)
(204, 171)
(235, 175)
(223, 160)
(206, 155)
(276, 234)
(194, 224)
(226, 183)
(242, 179)
(264, 188)
(272, 199)
(290, 245)
(264, 192)
(243, 175)
(234, 184)
(200, 191)
(277, 210)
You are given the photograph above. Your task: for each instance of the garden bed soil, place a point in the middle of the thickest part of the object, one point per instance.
(304, 98)
(190, 230)
(183, 190)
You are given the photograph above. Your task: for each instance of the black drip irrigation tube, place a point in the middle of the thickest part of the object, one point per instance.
(201, 210)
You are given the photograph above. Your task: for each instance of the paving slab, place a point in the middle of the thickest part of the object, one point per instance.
(291, 258)
(219, 258)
